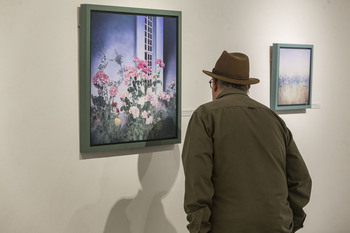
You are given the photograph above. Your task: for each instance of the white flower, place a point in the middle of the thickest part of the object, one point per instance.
(144, 114)
(134, 111)
(141, 101)
(149, 120)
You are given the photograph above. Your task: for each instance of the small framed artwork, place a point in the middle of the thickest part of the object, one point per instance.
(291, 76)
(130, 77)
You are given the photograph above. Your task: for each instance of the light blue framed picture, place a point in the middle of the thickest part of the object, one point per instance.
(291, 76)
(130, 77)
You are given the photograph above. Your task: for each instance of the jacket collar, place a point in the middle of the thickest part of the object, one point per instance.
(230, 91)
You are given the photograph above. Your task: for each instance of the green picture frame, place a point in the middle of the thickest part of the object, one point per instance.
(291, 76)
(130, 77)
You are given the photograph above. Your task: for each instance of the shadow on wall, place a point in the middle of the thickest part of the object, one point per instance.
(145, 212)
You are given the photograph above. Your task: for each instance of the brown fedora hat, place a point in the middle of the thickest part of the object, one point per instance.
(232, 68)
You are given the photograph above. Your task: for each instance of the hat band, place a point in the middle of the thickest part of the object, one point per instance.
(215, 71)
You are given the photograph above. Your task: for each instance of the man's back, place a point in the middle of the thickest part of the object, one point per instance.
(246, 163)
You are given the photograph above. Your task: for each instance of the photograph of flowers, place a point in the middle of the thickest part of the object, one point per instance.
(129, 77)
(291, 76)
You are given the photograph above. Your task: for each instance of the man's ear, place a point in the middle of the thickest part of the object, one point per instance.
(215, 84)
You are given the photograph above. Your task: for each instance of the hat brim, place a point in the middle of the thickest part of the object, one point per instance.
(231, 80)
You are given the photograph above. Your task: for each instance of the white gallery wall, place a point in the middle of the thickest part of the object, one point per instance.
(48, 186)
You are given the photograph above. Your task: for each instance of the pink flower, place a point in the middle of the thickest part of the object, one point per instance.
(134, 111)
(165, 96)
(150, 95)
(146, 70)
(144, 114)
(160, 63)
(136, 59)
(129, 72)
(143, 66)
(155, 103)
(133, 74)
(113, 91)
(149, 120)
(124, 94)
(126, 82)
(143, 75)
(152, 98)
(100, 79)
(129, 68)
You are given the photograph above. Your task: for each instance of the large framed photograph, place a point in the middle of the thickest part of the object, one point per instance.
(291, 76)
(130, 77)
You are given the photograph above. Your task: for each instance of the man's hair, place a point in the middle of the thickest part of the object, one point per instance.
(223, 85)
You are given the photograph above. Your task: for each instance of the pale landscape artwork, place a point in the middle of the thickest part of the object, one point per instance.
(294, 76)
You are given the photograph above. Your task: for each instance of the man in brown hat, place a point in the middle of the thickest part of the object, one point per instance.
(243, 170)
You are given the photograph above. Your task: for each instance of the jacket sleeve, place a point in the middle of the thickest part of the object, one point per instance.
(299, 183)
(198, 165)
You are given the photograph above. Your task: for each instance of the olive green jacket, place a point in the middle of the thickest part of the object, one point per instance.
(243, 170)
